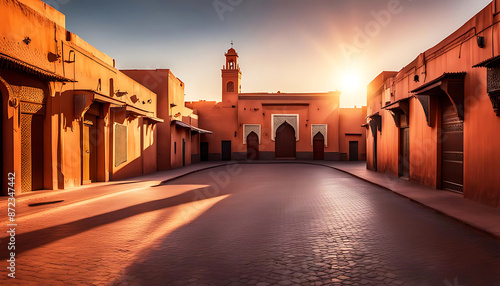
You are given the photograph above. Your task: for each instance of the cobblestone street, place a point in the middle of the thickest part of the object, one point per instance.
(276, 224)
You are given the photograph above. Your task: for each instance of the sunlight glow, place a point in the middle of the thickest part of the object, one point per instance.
(351, 82)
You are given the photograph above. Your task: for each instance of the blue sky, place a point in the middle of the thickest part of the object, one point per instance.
(284, 45)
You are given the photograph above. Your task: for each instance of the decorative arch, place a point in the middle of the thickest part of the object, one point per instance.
(249, 128)
(230, 87)
(278, 119)
(319, 128)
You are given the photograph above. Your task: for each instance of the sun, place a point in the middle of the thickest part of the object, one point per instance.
(350, 82)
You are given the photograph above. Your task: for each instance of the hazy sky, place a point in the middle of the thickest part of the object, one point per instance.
(284, 45)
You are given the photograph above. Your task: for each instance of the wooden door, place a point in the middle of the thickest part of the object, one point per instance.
(183, 152)
(285, 143)
(203, 151)
(375, 152)
(319, 147)
(404, 158)
(31, 152)
(226, 150)
(452, 148)
(89, 150)
(1, 146)
(252, 146)
(353, 150)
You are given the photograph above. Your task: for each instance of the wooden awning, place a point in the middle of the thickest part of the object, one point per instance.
(84, 99)
(398, 108)
(192, 128)
(132, 110)
(8, 62)
(489, 63)
(375, 122)
(154, 119)
(450, 85)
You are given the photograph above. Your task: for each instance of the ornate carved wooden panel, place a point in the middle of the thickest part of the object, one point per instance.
(494, 88)
(493, 85)
(120, 144)
(31, 152)
(451, 148)
(26, 152)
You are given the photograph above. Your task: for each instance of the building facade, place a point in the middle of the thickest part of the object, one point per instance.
(69, 117)
(179, 137)
(436, 121)
(265, 126)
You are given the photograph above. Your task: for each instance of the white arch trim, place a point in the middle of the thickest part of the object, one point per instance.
(319, 128)
(278, 119)
(249, 128)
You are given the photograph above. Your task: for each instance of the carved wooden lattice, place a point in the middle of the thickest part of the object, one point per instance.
(319, 128)
(31, 94)
(249, 128)
(120, 145)
(31, 108)
(26, 176)
(279, 119)
(230, 86)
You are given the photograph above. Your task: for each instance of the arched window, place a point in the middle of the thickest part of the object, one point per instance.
(231, 65)
(230, 86)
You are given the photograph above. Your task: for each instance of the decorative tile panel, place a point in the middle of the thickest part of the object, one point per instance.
(120, 144)
(249, 128)
(278, 119)
(319, 128)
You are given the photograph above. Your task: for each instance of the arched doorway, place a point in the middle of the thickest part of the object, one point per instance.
(285, 141)
(319, 146)
(252, 146)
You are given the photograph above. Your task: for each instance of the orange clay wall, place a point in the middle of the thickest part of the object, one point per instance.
(350, 123)
(222, 121)
(457, 53)
(64, 54)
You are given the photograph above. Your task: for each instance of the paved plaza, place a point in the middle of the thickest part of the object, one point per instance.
(275, 224)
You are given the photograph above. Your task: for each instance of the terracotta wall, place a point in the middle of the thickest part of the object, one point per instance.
(350, 129)
(171, 108)
(36, 40)
(218, 119)
(459, 52)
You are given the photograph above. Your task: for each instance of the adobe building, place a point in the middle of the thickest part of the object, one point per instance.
(267, 126)
(69, 117)
(179, 137)
(436, 122)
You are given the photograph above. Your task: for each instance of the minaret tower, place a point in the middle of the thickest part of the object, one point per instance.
(231, 79)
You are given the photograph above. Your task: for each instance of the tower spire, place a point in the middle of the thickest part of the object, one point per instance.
(232, 44)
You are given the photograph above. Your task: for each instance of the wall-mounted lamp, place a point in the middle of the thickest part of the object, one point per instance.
(416, 78)
(480, 41)
(27, 40)
(121, 93)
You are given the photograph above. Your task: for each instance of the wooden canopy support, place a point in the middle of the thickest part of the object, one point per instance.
(375, 122)
(450, 85)
(398, 109)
